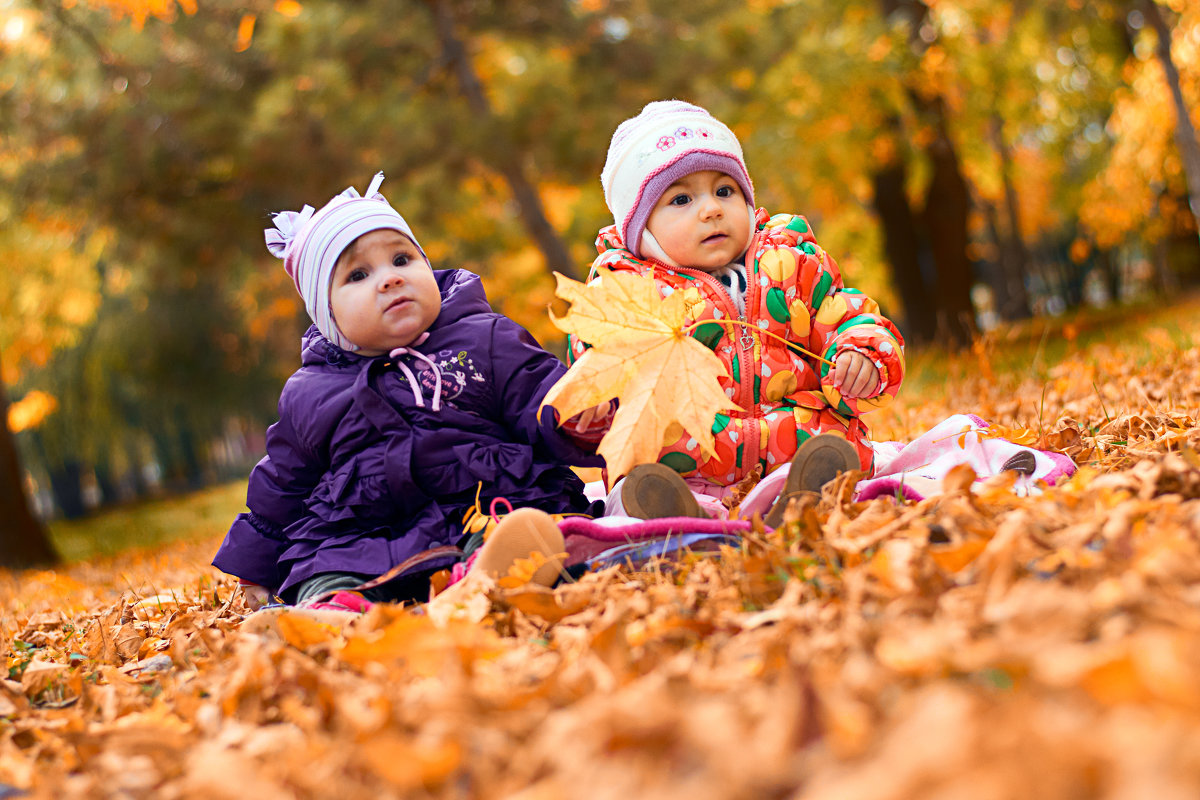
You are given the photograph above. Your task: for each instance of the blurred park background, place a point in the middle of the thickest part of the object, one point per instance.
(978, 166)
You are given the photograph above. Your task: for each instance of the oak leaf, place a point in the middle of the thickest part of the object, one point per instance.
(641, 354)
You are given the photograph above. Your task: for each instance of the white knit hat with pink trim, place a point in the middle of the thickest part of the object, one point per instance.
(668, 140)
(310, 242)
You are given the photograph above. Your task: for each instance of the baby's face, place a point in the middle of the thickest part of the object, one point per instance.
(702, 221)
(383, 294)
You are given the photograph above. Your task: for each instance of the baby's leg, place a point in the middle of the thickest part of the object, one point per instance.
(326, 582)
(328, 597)
(407, 588)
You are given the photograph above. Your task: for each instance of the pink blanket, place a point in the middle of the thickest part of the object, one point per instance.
(914, 470)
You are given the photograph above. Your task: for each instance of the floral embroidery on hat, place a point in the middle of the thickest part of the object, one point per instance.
(684, 133)
(666, 143)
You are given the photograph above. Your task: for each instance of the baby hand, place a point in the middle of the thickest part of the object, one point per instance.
(854, 375)
(256, 596)
(588, 427)
(584, 419)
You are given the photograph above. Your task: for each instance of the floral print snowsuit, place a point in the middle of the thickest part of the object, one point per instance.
(795, 292)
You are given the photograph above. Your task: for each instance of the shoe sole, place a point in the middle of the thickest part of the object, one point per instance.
(655, 491)
(519, 535)
(818, 461)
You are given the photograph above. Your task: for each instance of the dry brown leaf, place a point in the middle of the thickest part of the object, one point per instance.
(405, 765)
(302, 633)
(545, 603)
(127, 641)
(959, 479)
(416, 642)
(39, 674)
(954, 558)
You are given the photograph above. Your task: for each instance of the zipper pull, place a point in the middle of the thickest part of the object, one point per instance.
(746, 340)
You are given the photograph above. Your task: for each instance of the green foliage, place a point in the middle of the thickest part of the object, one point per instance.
(150, 524)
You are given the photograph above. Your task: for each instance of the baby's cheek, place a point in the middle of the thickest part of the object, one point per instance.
(434, 307)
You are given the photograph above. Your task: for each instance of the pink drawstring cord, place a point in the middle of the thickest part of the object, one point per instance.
(412, 379)
(492, 508)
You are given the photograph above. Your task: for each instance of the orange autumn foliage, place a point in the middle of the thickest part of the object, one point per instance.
(1030, 645)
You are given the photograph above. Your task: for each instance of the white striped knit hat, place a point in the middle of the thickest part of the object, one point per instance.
(668, 140)
(310, 242)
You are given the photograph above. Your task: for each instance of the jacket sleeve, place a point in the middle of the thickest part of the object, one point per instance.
(846, 320)
(524, 373)
(279, 486)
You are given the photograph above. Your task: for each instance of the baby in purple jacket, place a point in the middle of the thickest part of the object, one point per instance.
(414, 402)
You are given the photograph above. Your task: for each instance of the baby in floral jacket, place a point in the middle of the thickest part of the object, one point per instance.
(806, 355)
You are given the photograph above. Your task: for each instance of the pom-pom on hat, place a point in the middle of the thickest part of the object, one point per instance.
(310, 241)
(666, 141)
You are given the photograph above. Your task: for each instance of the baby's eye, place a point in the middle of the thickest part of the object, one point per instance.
(679, 200)
(725, 191)
(400, 259)
(356, 275)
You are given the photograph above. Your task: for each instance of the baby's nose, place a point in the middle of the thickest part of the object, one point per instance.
(391, 278)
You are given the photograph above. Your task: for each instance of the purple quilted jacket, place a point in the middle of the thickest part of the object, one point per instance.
(359, 478)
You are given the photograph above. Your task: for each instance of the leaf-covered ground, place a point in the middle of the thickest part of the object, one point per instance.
(972, 645)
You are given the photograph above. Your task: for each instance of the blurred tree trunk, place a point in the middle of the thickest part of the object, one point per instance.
(943, 220)
(1184, 248)
(947, 204)
(164, 454)
(507, 158)
(1185, 132)
(135, 477)
(110, 495)
(1165, 280)
(23, 540)
(65, 474)
(1111, 269)
(1014, 255)
(901, 248)
(193, 471)
(66, 485)
(997, 276)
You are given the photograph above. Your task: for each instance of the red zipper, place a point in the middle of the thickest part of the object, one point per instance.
(748, 426)
(751, 434)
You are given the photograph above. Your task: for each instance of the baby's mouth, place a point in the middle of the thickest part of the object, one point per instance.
(716, 237)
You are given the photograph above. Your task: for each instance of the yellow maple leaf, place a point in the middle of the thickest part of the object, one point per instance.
(640, 353)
